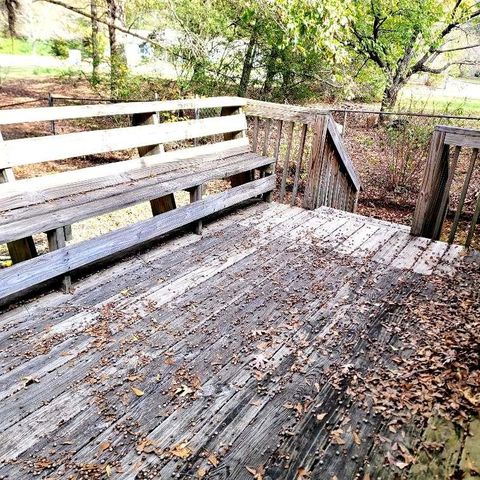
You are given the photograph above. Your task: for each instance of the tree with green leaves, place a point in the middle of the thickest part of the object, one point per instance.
(406, 37)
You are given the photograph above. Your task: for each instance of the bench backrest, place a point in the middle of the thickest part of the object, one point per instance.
(146, 131)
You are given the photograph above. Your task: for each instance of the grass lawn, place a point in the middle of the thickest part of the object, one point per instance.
(443, 105)
(18, 46)
(8, 73)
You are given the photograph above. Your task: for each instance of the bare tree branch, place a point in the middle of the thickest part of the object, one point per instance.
(448, 65)
(101, 20)
(457, 49)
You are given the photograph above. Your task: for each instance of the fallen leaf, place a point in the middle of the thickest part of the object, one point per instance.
(108, 470)
(320, 416)
(256, 472)
(181, 450)
(201, 472)
(473, 399)
(213, 459)
(302, 473)
(145, 446)
(356, 438)
(29, 380)
(137, 391)
(336, 437)
(184, 390)
(103, 446)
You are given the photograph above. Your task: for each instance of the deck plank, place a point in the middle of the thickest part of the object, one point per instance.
(241, 344)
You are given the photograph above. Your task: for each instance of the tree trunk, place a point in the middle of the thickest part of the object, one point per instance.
(118, 59)
(12, 7)
(288, 76)
(271, 71)
(390, 96)
(248, 63)
(95, 47)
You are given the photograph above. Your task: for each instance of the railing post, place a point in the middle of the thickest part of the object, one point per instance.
(315, 167)
(50, 104)
(429, 206)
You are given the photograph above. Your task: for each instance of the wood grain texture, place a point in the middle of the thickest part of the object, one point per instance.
(167, 202)
(40, 189)
(72, 209)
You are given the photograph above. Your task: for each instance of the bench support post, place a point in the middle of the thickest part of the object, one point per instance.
(265, 172)
(23, 249)
(167, 202)
(244, 177)
(57, 239)
(195, 196)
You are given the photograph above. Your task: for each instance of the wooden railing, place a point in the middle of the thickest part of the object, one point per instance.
(453, 154)
(313, 167)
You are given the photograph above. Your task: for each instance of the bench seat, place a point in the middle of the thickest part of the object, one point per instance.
(41, 204)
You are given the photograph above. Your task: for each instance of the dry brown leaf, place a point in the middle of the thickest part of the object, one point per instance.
(302, 474)
(137, 391)
(145, 446)
(473, 399)
(320, 416)
(336, 437)
(103, 446)
(108, 470)
(213, 459)
(356, 438)
(181, 450)
(29, 380)
(256, 472)
(184, 390)
(201, 472)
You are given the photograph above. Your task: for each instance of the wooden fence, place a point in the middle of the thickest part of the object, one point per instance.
(313, 167)
(448, 164)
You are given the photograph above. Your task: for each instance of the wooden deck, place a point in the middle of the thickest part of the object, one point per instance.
(221, 356)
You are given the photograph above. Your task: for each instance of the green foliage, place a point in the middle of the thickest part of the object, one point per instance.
(367, 84)
(295, 45)
(20, 46)
(403, 37)
(61, 47)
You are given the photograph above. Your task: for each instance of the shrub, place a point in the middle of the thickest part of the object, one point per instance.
(60, 47)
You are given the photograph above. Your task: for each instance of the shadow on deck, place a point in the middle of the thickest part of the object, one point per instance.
(254, 351)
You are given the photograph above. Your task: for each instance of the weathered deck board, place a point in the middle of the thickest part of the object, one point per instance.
(234, 340)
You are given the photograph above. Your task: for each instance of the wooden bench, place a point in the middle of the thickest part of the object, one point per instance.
(52, 203)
